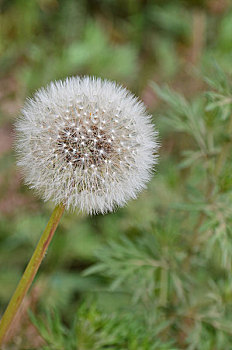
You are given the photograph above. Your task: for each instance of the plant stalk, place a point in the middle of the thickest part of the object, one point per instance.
(30, 272)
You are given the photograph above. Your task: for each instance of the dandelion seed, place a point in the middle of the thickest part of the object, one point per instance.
(82, 166)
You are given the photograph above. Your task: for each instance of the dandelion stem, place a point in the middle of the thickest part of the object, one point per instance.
(30, 272)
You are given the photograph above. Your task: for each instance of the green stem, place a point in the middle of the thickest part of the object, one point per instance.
(30, 272)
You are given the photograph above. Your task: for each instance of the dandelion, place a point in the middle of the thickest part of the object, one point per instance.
(85, 144)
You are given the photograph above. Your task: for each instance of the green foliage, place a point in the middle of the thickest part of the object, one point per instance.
(149, 259)
(93, 330)
(54, 333)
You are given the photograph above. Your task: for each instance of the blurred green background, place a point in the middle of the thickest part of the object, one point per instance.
(134, 42)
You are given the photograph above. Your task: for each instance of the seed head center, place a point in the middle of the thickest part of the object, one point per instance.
(84, 145)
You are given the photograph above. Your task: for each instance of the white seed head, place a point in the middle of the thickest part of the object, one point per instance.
(87, 143)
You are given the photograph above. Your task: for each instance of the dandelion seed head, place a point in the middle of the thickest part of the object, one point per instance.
(87, 143)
